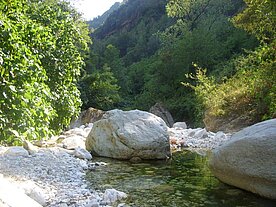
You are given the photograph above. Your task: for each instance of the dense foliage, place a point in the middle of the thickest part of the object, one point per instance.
(251, 91)
(153, 45)
(41, 54)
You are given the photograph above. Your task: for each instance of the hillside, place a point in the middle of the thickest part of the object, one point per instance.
(175, 53)
(100, 20)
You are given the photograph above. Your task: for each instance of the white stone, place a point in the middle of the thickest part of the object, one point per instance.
(90, 125)
(75, 131)
(12, 196)
(220, 136)
(126, 134)
(248, 159)
(82, 153)
(201, 133)
(35, 192)
(111, 196)
(16, 151)
(181, 125)
(93, 203)
(73, 142)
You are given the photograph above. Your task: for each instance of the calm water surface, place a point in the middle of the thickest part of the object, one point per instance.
(185, 180)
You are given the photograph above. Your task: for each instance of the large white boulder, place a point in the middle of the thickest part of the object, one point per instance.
(127, 134)
(12, 196)
(248, 160)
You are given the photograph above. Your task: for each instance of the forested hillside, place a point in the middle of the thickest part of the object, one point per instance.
(210, 62)
(203, 59)
(100, 20)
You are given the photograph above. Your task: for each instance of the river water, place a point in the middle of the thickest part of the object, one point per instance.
(184, 180)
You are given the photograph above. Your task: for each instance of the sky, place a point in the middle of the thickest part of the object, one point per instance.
(93, 8)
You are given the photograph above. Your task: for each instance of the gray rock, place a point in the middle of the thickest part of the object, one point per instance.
(181, 125)
(111, 196)
(75, 131)
(220, 135)
(16, 151)
(93, 203)
(73, 142)
(82, 153)
(248, 160)
(200, 133)
(159, 110)
(126, 134)
(90, 115)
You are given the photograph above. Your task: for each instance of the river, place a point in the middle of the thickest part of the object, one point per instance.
(184, 180)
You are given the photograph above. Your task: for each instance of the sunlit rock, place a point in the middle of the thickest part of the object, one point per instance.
(127, 134)
(248, 160)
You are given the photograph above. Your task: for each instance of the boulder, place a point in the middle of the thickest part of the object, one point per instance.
(159, 110)
(127, 134)
(90, 115)
(16, 151)
(12, 196)
(181, 125)
(248, 159)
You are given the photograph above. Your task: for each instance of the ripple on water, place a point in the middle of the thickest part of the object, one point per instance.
(185, 180)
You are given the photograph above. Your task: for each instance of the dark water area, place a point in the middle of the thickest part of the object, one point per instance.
(184, 180)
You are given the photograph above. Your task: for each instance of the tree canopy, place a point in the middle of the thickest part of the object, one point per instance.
(41, 51)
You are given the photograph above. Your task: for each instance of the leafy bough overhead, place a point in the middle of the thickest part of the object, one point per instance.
(41, 53)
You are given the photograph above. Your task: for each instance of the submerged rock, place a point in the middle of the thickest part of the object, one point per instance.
(111, 196)
(127, 134)
(248, 160)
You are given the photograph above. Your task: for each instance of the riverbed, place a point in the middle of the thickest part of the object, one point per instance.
(184, 180)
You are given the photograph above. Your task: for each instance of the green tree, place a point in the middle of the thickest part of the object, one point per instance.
(99, 89)
(41, 54)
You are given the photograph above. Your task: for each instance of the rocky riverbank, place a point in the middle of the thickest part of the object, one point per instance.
(52, 177)
(52, 173)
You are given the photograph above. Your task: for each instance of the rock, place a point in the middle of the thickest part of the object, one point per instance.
(30, 147)
(135, 159)
(159, 110)
(200, 133)
(73, 142)
(82, 153)
(111, 196)
(181, 125)
(12, 196)
(90, 115)
(248, 160)
(220, 135)
(126, 134)
(75, 131)
(93, 203)
(16, 151)
(34, 192)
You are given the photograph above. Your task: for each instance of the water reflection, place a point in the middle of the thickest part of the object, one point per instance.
(185, 180)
